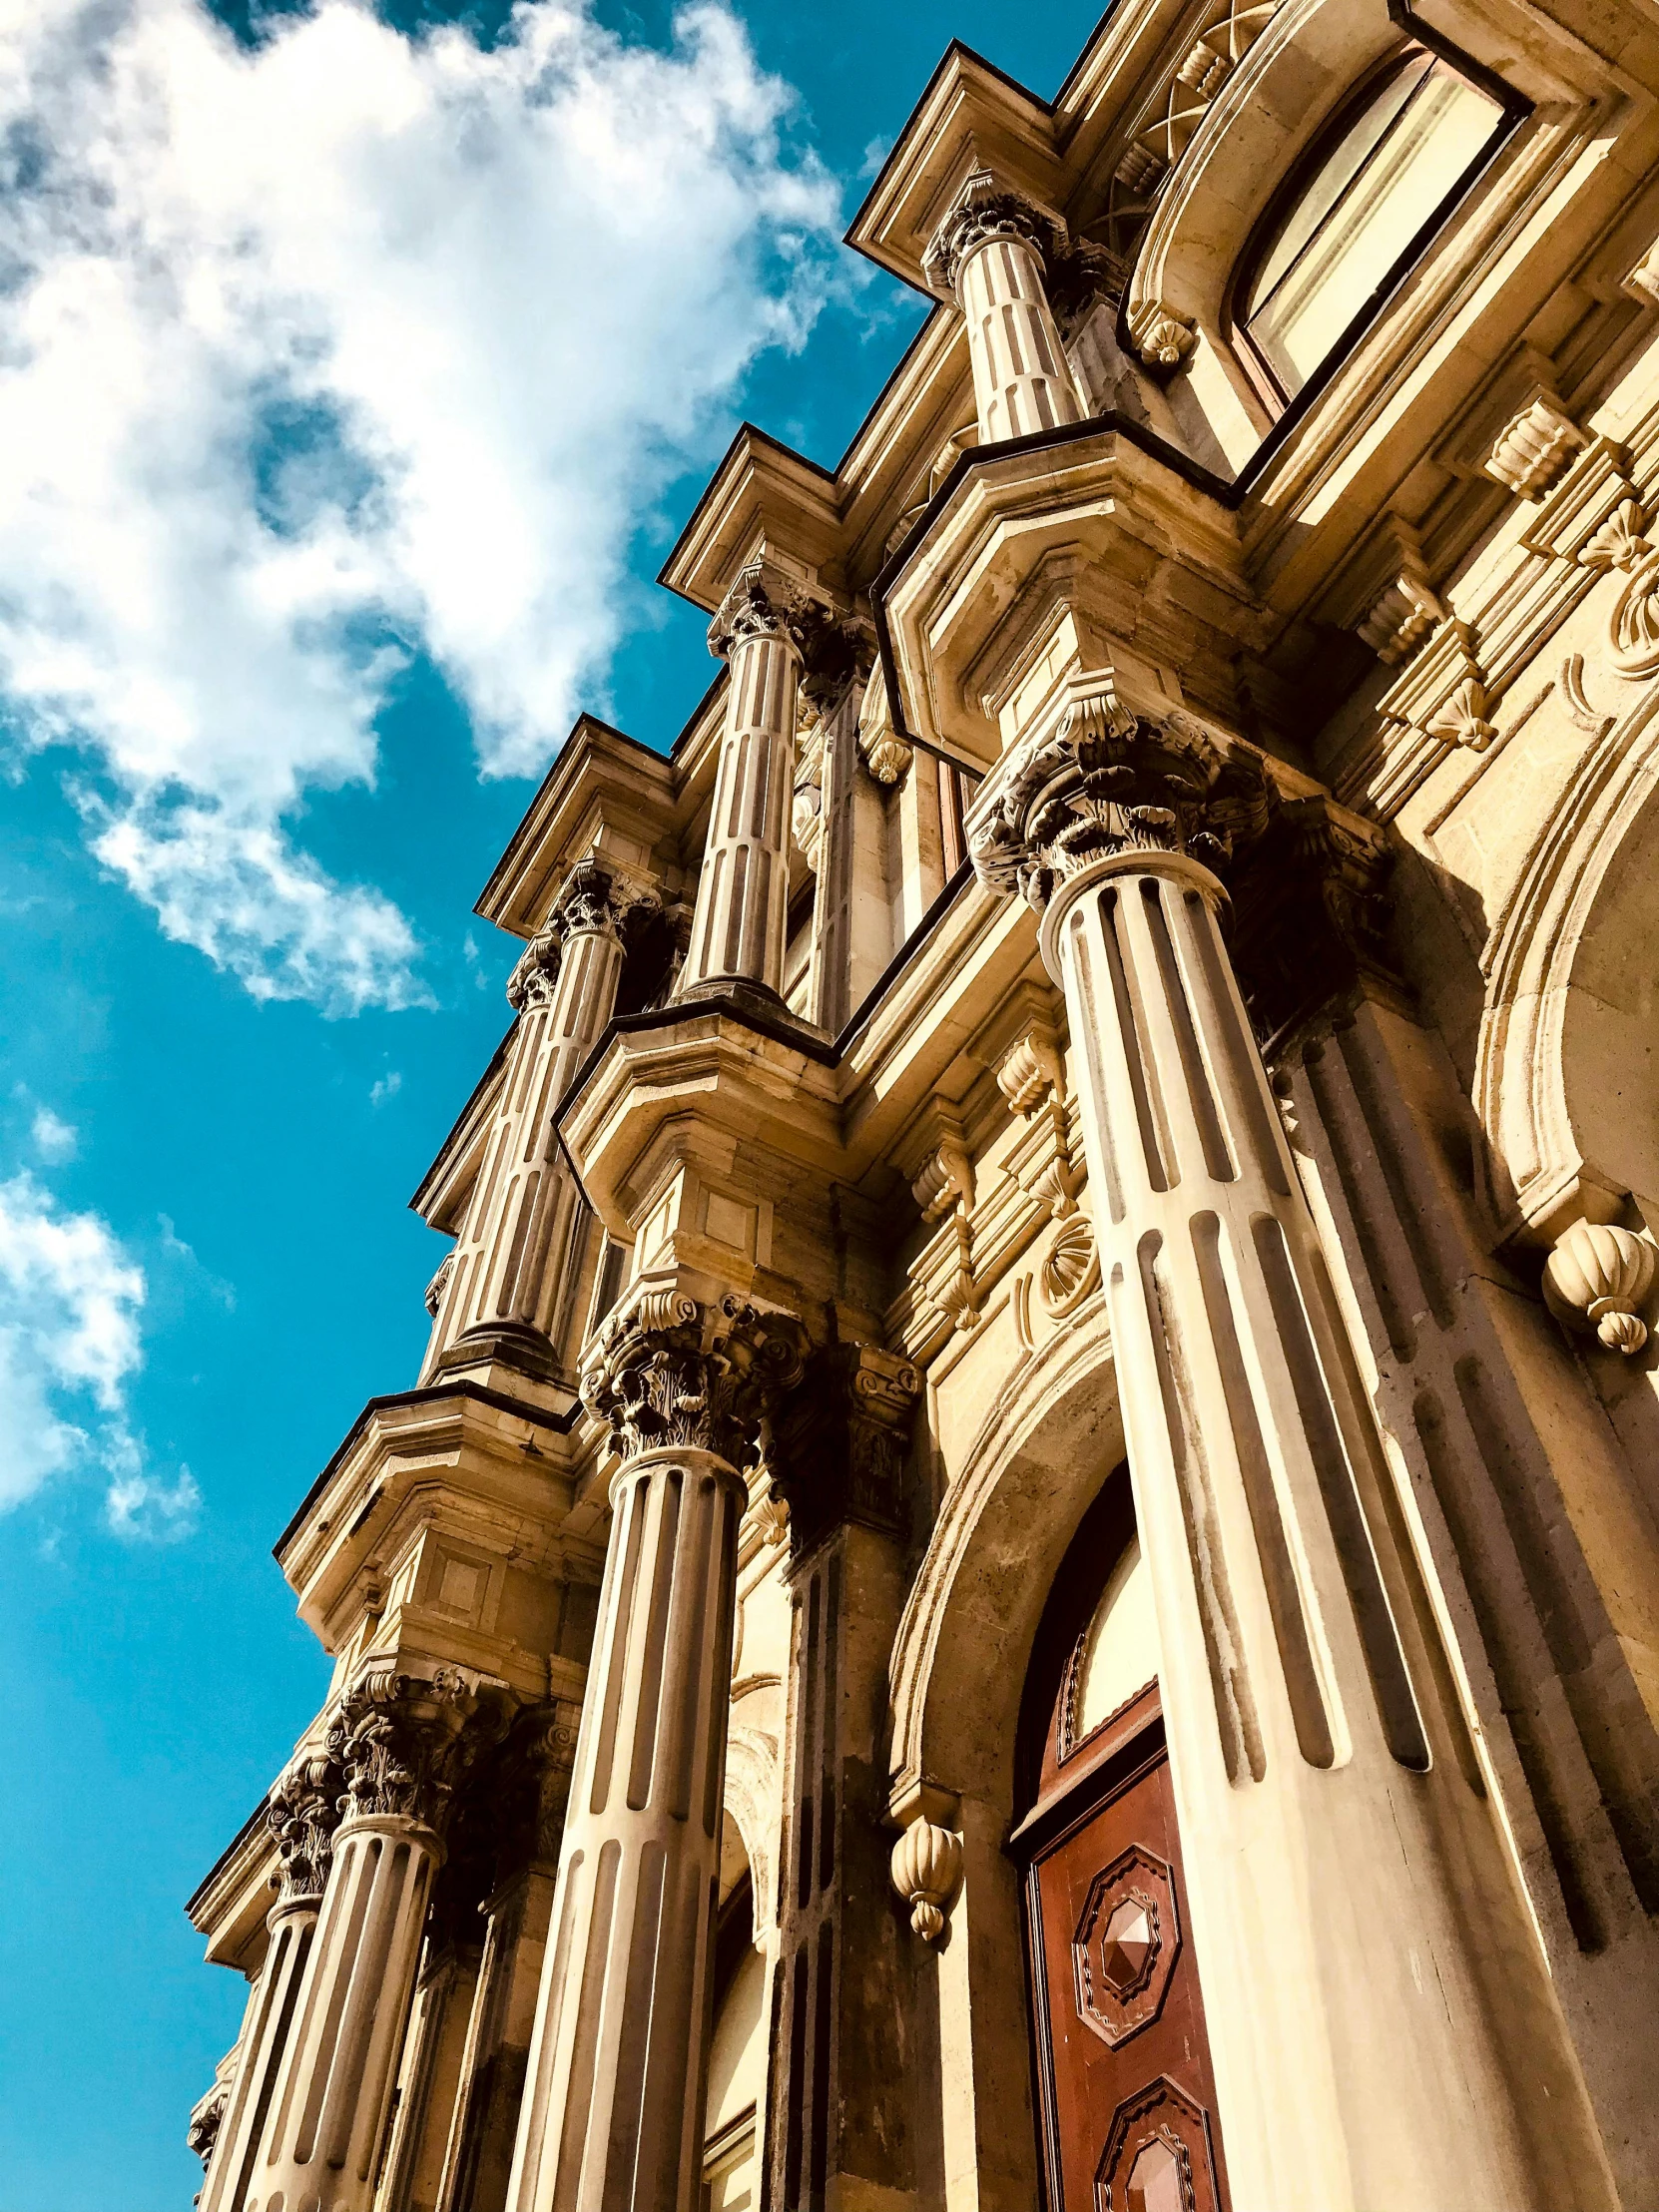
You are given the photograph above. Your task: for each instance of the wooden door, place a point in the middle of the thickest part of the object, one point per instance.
(1126, 2097)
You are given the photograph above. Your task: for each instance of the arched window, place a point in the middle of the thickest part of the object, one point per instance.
(1356, 212)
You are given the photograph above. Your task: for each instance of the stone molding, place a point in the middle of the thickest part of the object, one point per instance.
(886, 754)
(668, 1370)
(986, 208)
(1534, 445)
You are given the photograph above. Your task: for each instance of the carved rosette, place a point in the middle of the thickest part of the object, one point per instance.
(301, 1814)
(842, 1440)
(985, 209)
(397, 1738)
(1103, 780)
(668, 1372)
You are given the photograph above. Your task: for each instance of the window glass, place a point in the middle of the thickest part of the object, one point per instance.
(1391, 164)
(1120, 1645)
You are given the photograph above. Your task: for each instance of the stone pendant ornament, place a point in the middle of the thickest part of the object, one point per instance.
(1597, 1282)
(926, 1867)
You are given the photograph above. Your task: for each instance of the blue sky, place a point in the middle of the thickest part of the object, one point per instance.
(346, 416)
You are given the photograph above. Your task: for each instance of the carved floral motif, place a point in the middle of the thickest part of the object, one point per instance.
(1071, 1268)
(1161, 338)
(764, 602)
(883, 751)
(1462, 718)
(667, 1370)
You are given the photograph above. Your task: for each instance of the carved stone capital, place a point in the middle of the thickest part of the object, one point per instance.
(397, 1738)
(766, 602)
(302, 1813)
(1101, 779)
(668, 1370)
(439, 1284)
(984, 209)
(590, 904)
(207, 2115)
(1310, 918)
(528, 1786)
(535, 972)
(840, 1443)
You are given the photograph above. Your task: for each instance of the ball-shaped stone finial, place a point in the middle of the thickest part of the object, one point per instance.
(926, 1867)
(1597, 1281)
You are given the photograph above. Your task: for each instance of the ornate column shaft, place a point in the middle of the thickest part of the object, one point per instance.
(1382, 2023)
(323, 2139)
(743, 897)
(510, 1262)
(987, 256)
(614, 2105)
(303, 1816)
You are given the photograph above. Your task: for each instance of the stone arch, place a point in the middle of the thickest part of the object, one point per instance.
(965, 1635)
(752, 1806)
(1568, 1050)
(956, 1681)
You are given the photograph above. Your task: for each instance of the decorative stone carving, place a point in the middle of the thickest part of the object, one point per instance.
(1205, 70)
(765, 602)
(1103, 778)
(1080, 280)
(1402, 617)
(535, 972)
(1534, 446)
(1030, 1070)
(667, 1370)
(528, 1790)
(395, 1739)
(439, 1284)
(944, 1180)
(807, 805)
(883, 751)
(1633, 625)
(1161, 338)
(1310, 918)
(984, 209)
(1141, 169)
(1643, 281)
(926, 1868)
(840, 1442)
(589, 901)
(1597, 1282)
(1620, 542)
(1070, 1270)
(1462, 720)
(303, 1812)
(208, 2113)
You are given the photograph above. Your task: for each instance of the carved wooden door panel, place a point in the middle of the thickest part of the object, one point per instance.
(1126, 2097)
(1123, 2063)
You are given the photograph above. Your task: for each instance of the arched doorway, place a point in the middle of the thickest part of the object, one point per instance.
(1124, 2090)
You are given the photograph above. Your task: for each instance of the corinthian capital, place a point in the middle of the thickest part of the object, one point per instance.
(670, 1371)
(396, 1739)
(985, 208)
(535, 972)
(766, 602)
(1100, 778)
(589, 904)
(301, 1814)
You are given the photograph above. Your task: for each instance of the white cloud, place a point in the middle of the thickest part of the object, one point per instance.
(55, 1139)
(70, 1301)
(387, 1086)
(346, 343)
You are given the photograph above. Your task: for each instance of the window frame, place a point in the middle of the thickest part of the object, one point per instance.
(1286, 408)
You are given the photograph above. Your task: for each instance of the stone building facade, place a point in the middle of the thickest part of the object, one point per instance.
(1023, 1568)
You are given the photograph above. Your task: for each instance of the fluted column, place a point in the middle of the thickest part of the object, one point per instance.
(302, 1815)
(987, 256)
(323, 2139)
(511, 1261)
(614, 2103)
(743, 897)
(1384, 2031)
